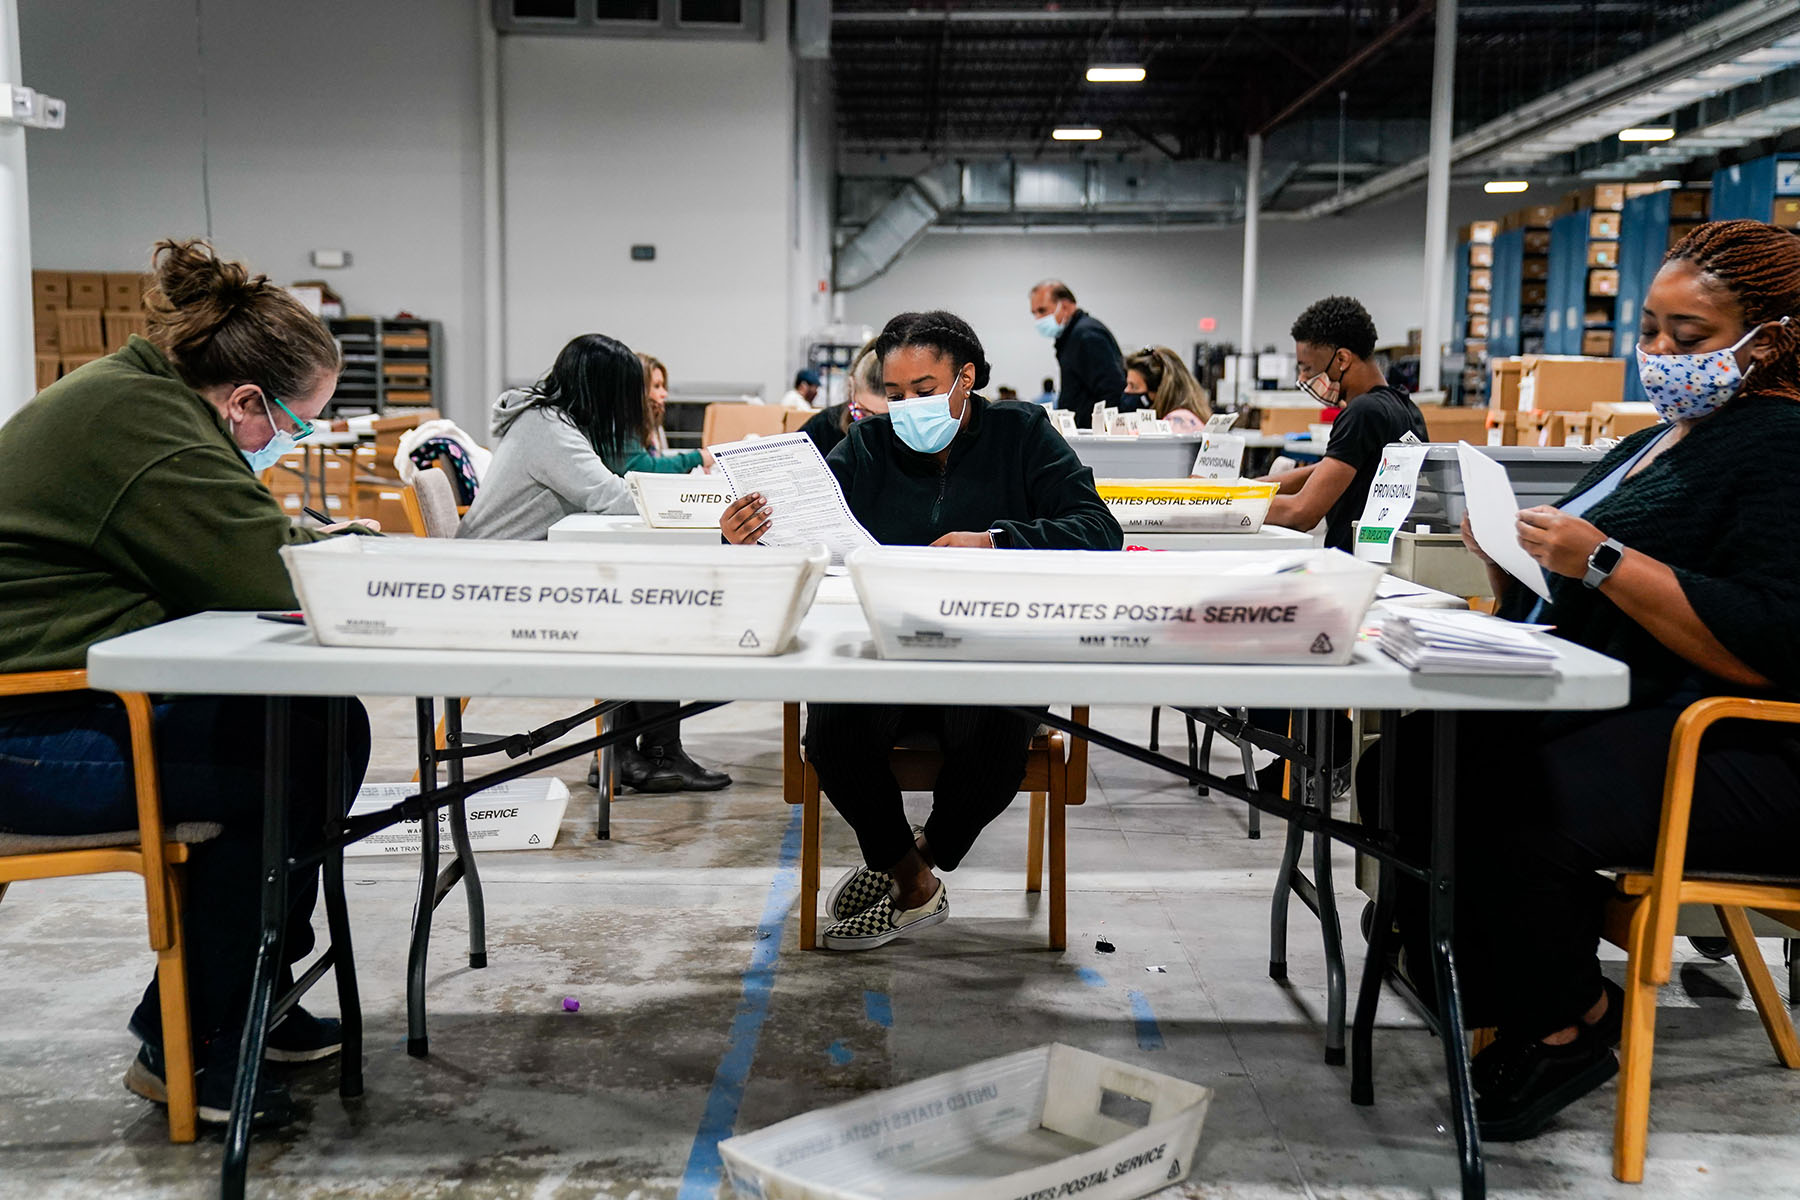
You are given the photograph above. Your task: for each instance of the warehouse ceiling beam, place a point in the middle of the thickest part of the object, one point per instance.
(1349, 66)
(1160, 16)
(1734, 32)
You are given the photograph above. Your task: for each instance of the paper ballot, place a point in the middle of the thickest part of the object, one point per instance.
(807, 506)
(1494, 515)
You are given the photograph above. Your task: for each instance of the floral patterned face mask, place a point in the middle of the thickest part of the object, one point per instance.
(1691, 386)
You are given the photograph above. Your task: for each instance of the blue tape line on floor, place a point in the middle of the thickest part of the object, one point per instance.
(1091, 977)
(879, 1009)
(840, 1054)
(1149, 1033)
(705, 1169)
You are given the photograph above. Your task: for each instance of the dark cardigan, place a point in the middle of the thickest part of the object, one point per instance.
(1719, 508)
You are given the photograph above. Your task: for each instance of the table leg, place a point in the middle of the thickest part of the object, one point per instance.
(324, 503)
(1249, 775)
(337, 914)
(417, 1044)
(459, 837)
(1441, 882)
(236, 1160)
(1319, 788)
(607, 781)
(1362, 1032)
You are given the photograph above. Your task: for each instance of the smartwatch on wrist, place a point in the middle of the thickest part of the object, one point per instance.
(1602, 562)
(1001, 539)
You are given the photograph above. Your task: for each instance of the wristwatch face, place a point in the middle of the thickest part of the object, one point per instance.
(1606, 556)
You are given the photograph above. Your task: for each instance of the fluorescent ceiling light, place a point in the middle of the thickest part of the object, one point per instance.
(1115, 74)
(1075, 135)
(1649, 133)
(1496, 186)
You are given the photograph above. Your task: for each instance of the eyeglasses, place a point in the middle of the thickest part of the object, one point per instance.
(303, 428)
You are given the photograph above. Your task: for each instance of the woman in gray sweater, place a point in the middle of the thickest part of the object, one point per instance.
(551, 443)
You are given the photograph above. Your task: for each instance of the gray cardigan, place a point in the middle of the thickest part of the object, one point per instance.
(543, 471)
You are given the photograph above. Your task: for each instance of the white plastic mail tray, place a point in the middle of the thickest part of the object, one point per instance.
(431, 593)
(522, 815)
(679, 501)
(1043, 1123)
(1187, 505)
(1214, 606)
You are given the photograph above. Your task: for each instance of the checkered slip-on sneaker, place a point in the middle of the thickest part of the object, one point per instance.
(882, 922)
(858, 891)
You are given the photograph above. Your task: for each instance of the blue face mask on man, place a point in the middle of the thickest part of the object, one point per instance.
(925, 423)
(1047, 325)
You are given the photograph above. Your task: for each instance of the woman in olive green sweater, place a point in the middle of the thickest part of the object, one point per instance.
(129, 496)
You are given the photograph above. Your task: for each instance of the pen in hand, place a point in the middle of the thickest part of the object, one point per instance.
(316, 515)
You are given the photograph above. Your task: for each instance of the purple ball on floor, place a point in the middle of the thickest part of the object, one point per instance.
(571, 1004)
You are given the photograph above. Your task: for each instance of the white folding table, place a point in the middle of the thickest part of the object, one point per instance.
(833, 660)
(629, 530)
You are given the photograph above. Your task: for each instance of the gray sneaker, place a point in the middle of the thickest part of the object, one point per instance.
(860, 889)
(882, 922)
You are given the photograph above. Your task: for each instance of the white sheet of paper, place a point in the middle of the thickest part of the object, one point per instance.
(1494, 516)
(1221, 456)
(1391, 498)
(806, 504)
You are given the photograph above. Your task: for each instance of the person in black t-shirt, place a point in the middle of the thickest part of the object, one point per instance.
(1333, 340)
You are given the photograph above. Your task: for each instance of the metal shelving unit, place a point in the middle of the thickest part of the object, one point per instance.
(394, 362)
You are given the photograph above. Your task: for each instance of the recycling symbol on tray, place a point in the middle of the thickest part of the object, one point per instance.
(748, 641)
(1321, 644)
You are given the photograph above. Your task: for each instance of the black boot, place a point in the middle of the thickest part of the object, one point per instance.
(694, 777)
(644, 774)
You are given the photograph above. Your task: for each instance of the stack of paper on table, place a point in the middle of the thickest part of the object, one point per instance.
(1464, 643)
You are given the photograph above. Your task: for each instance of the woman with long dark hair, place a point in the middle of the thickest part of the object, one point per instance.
(552, 442)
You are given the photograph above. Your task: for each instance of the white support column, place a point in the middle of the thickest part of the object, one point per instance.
(493, 261)
(1437, 197)
(1252, 222)
(18, 377)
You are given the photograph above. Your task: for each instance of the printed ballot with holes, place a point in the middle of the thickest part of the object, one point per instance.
(1207, 606)
(1187, 505)
(1048, 1122)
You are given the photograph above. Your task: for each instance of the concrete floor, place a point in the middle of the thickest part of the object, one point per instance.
(653, 933)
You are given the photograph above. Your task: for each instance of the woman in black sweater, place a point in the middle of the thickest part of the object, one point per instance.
(943, 467)
(1675, 555)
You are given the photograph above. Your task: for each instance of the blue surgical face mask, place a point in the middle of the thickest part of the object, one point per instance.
(279, 446)
(925, 423)
(1047, 325)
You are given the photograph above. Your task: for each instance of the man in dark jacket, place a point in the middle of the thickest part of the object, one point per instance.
(943, 467)
(1093, 370)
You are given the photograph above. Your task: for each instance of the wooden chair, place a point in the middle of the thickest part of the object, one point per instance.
(149, 851)
(430, 503)
(1055, 775)
(1642, 918)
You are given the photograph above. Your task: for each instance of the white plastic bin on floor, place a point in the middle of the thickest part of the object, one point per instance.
(1047, 1122)
(1215, 606)
(679, 501)
(1187, 505)
(430, 593)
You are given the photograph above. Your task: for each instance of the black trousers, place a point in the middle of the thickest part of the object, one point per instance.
(984, 752)
(658, 737)
(1544, 803)
(67, 771)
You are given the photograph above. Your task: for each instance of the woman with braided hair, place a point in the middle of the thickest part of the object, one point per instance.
(1676, 554)
(941, 467)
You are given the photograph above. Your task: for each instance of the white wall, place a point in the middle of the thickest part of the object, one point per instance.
(1155, 287)
(330, 123)
(688, 146)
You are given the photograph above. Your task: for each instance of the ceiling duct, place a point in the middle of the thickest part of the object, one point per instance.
(893, 229)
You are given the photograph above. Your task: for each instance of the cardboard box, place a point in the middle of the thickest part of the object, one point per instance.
(735, 422)
(49, 368)
(1679, 231)
(1537, 241)
(1608, 197)
(1597, 314)
(1532, 216)
(87, 289)
(1604, 226)
(1474, 348)
(1559, 429)
(1534, 295)
(1687, 206)
(121, 325)
(1786, 214)
(1478, 232)
(1597, 343)
(1621, 419)
(1284, 421)
(1481, 254)
(1603, 282)
(44, 330)
(1641, 189)
(79, 331)
(1444, 423)
(1478, 327)
(1502, 427)
(125, 293)
(50, 289)
(1603, 254)
(1535, 266)
(1503, 394)
(1565, 383)
(1480, 303)
(1481, 279)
